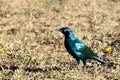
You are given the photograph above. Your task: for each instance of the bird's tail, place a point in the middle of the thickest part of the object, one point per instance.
(98, 59)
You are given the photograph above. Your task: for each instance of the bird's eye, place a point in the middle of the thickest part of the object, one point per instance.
(64, 30)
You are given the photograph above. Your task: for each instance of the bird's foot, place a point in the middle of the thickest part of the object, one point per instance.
(84, 68)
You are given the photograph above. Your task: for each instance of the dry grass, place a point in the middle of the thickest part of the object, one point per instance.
(30, 49)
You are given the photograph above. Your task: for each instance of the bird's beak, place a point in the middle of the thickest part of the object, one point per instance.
(57, 29)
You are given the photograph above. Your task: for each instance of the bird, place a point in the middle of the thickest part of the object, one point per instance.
(77, 48)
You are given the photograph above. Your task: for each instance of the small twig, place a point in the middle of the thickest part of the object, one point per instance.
(30, 58)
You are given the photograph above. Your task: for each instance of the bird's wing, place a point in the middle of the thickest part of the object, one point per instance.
(83, 48)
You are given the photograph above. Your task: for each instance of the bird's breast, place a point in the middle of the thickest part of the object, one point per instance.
(70, 46)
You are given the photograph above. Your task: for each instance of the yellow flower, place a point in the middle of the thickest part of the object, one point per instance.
(108, 49)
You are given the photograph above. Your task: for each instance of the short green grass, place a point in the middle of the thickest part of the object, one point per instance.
(31, 49)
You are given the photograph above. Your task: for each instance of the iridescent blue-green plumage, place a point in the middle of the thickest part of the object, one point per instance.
(78, 49)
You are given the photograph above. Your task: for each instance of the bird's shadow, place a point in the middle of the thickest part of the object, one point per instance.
(55, 68)
(4, 67)
(46, 69)
(34, 69)
(29, 69)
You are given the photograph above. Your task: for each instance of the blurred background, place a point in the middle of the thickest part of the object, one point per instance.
(31, 49)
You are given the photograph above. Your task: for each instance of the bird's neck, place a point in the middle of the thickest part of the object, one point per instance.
(70, 36)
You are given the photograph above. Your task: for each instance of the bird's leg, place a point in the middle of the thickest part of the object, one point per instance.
(78, 61)
(84, 66)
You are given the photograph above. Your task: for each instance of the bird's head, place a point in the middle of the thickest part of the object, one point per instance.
(65, 30)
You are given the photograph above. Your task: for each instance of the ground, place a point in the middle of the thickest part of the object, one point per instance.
(31, 49)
